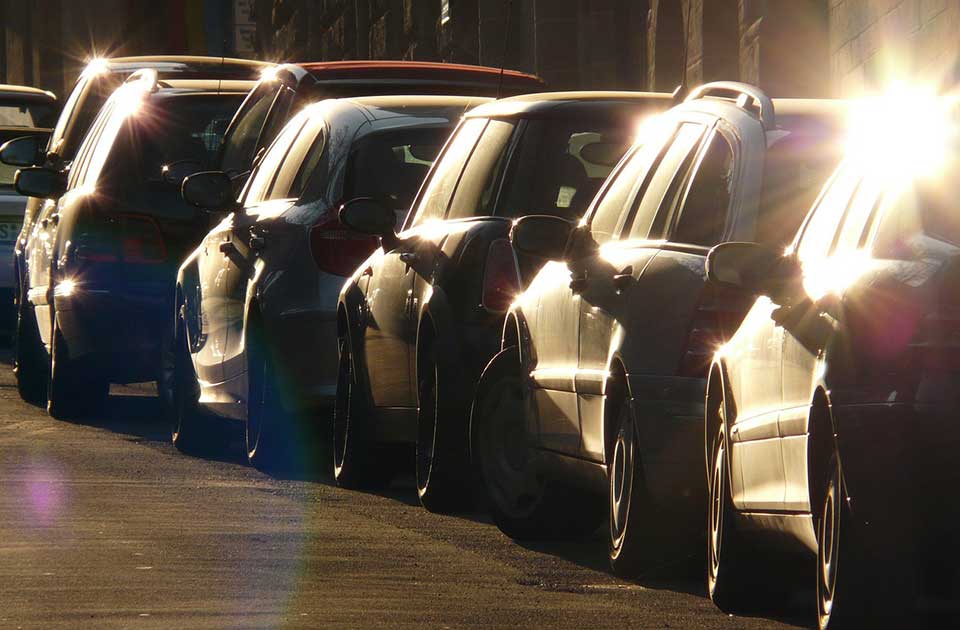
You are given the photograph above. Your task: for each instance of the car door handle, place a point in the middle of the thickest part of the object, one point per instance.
(227, 247)
(257, 242)
(623, 279)
(409, 257)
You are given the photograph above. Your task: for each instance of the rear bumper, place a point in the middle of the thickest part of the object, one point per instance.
(117, 334)
(670, 416)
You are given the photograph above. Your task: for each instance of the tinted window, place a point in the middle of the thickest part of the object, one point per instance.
(610, 212)
(820, 230)
(436, 195)
(264, 173)
(68, 110)
(26, 113)
(476, 192)
(705, 208)
(390, 166)
(89, 104)
(560, 165)
(93, 152)
(665, 184)
(294, 170)
(239, 146)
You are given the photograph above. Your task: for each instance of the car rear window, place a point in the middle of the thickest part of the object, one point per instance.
(27, 113)
(560, 164)
(187, 127)
(391, 165)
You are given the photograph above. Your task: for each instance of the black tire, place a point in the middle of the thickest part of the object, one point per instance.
(355, 464)
(188, 430)
(634, 544)
(524, 503)
(269, 427)
(442, 470)
(72, 391)
(729, 569)
(30, 357)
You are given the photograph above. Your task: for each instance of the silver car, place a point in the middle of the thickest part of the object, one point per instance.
(255, 335)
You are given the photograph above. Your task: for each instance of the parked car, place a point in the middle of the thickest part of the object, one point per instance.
(418, 320)
(256, 301)
(831, 413)
(288, 88)
(24, 111)
(596, 396)
(99, 79)
(103, 257)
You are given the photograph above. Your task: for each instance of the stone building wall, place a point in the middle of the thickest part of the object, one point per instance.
(787, 47)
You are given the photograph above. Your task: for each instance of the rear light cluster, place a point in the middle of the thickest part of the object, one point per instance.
(717, 317)
(128, 238)
(501, 278)
(338, 250)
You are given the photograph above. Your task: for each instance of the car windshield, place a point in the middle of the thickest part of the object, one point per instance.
(27, 113)
(391, 165)
(560, 166)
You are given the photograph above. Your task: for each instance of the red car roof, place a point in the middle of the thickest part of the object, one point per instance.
(421, 70)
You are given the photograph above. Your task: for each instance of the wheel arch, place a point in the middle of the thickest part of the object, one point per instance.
(822, 446)
(617, 393)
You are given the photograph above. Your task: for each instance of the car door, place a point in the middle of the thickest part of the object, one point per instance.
(388, 333)
(830, 247)
(241, 238)
(610, 294)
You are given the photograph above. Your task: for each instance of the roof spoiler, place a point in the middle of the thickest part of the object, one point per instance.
(747, 97)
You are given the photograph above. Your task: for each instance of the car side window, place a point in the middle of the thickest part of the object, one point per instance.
(264, 174)
(705, 208)
(308, 139)
(436, 195)
(85, 153)
(609, 214)
(241, 141)
(865, 202)
(67, 113)
(476, 191)
(649, 207)
(820, 231)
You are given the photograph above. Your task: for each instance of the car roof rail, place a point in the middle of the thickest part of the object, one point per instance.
(147, 76)
(748, 97)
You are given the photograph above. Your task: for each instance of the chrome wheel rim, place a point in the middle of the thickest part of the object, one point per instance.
(828, 551)
(621, 483)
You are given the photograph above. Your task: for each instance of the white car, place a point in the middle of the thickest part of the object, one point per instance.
(24, 111)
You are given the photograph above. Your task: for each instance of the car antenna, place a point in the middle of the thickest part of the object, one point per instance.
(506, 46)
(683, 89)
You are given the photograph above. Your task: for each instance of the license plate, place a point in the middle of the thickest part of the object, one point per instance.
(9, 231)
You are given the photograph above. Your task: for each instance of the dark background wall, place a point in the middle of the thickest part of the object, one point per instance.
(788, 47)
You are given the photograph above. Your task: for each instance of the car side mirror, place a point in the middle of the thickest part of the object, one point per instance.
(756, 268)
(40, 182)
(369, 216)
(24, 151)
(210, 190)
(175, 172)
(542, 236)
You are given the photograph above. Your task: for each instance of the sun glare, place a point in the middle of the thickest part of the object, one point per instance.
(907, 132)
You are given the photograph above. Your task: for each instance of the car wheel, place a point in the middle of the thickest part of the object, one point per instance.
(728, 576)
(354, 462)
(523, 501)
(633, 544)
(442, 472)
(71, 391)
(30, 357)
(269, 437)
(188, 431)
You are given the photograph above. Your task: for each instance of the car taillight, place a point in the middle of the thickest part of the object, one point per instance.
(134, 239)
(501, 279)
(717, 317)
(338, 250)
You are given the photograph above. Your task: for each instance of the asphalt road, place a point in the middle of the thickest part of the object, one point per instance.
(105, 525)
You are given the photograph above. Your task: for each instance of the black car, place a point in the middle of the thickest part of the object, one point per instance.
(102, 260)
(95, 84)
(286, 89)
(420, 318)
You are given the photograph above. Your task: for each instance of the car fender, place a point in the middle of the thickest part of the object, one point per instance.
(436, 308)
